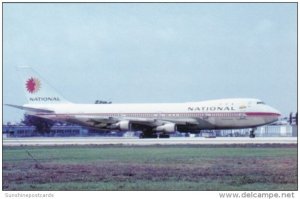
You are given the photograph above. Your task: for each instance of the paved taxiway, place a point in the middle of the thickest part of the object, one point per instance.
(41, 141)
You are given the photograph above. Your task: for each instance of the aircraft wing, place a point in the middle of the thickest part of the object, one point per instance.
(167, 125)
(104, 122)
(110, 120)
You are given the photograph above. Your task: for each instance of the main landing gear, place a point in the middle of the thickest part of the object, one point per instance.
(144, 135)
(150, 134)
(252, 133)
(154, 135)
(164, 136)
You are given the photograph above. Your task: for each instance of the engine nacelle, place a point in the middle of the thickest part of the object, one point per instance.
(123, 125)
(167, 128)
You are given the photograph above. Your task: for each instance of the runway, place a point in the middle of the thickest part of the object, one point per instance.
(50, 141)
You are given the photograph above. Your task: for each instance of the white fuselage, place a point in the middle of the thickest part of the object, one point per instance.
(212, 114)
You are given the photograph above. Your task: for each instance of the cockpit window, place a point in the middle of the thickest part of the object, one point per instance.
(260, 103)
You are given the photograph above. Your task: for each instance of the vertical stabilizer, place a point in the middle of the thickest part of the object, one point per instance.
(37, 90)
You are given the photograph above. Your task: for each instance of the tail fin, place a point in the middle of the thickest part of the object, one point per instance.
(37, 90)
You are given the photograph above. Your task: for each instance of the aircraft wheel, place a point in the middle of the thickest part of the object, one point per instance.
(252, 134)
(145, 135)
(164, 136)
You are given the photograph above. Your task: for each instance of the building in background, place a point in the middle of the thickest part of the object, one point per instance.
(281, 130)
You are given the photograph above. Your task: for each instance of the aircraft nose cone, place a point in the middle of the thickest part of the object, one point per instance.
(272, 111)
(277, 112)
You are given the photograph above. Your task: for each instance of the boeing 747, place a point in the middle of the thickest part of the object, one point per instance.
(150, 118)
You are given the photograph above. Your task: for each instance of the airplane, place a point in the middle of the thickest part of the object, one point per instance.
(151, 119)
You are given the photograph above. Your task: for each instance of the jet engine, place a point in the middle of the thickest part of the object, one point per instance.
(167, 128)
(122, 125)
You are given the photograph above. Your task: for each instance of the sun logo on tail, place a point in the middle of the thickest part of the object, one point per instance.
(33, 85)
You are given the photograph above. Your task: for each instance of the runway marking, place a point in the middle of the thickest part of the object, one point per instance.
(41, 141)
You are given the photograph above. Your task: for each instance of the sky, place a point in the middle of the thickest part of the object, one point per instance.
(153, 52)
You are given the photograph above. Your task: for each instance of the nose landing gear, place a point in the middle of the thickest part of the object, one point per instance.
(252, 133)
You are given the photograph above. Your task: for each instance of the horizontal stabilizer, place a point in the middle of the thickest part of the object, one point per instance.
(31, 109)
